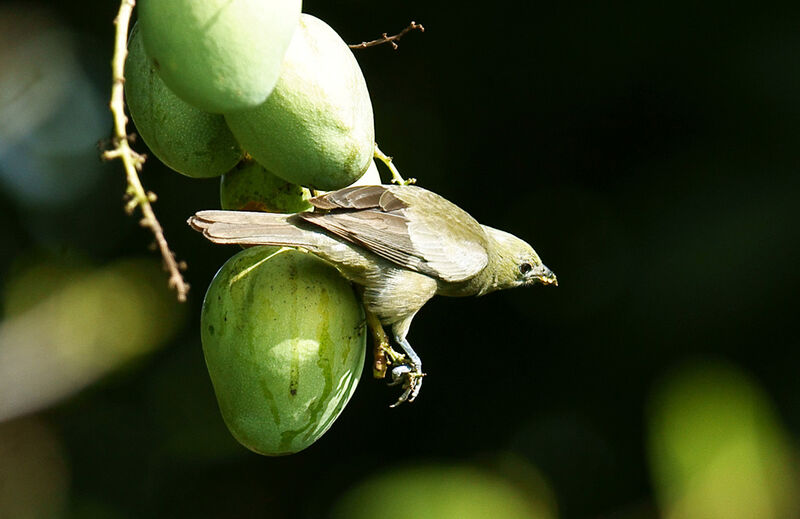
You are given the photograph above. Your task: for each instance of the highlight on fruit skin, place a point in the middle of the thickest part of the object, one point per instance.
(284, 340)
(219, 55)
(188, 140)
(316, 129)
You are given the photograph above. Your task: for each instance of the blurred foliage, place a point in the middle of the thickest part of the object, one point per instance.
(34, 475)
(647, 150)
(64, 329)
(444, 491)
(718, 450)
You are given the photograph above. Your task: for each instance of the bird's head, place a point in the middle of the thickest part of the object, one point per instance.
(515, 263)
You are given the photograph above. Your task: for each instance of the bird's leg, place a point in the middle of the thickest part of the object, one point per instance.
(409, 373)
(382, 347)
(407, 368)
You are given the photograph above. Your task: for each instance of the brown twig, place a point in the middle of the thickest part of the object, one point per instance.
(413, 26)
(132, 161)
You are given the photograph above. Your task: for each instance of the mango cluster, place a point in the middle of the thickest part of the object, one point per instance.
(208, 82)
(274, 102)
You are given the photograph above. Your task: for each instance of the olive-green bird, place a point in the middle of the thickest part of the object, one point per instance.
(402, 244)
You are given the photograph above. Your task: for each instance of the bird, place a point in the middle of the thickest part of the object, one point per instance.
(401, 244)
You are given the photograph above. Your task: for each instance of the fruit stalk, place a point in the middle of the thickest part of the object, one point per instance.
(132, 161)
(389, 162)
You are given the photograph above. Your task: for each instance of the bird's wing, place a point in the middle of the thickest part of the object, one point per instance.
(407, 225)
(361, 197)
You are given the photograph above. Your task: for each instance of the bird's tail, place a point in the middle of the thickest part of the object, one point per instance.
(252, 228)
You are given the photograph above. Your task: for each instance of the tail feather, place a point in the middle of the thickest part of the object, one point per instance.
(239, 217)
(250, 228)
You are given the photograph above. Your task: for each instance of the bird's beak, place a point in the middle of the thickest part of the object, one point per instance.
(545, 276)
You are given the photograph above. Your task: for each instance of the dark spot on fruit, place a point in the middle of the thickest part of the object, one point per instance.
(254, 205)
(211, 329)
(156, 64)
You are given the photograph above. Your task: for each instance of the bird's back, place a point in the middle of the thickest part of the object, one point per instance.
(408, 225)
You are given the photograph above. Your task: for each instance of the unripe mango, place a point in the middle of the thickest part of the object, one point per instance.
(316, 128)
(192, 142)
(250, 187)
(219, 55)
(284, 340)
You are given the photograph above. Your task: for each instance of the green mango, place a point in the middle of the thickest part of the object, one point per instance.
(219, 55)
(250, 187)
(316, 128)
(188, 140)
(284, 340)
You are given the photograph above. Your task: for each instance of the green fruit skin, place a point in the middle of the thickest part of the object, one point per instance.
(188, 140)
(371, 177)
(250, 187)
(219, 55)
(284, 340)
(316, 128)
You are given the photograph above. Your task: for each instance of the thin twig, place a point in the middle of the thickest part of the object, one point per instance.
(386, 159)
(132, 161)
(413, 26)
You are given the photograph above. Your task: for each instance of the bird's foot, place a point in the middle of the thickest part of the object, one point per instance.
(405, 372)
(410, 375)
(407, 368)
(394, 357)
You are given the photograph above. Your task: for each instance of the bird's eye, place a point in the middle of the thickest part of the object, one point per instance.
(525, 268)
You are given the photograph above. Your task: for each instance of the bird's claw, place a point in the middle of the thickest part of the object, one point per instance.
(410, 376)
(399, 374)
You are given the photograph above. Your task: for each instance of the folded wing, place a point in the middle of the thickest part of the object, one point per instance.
(407, 225)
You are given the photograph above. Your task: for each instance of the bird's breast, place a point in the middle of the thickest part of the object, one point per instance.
(398, 293)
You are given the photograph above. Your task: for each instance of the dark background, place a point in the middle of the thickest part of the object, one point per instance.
(648, 152)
